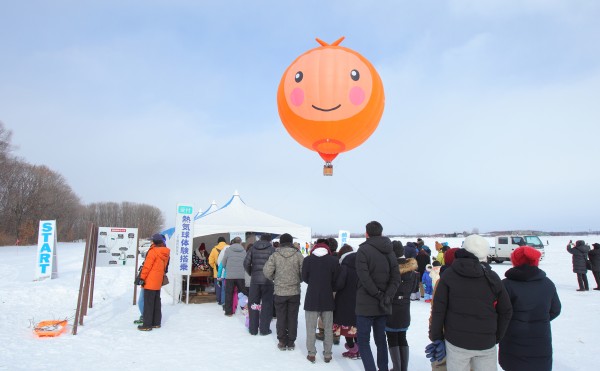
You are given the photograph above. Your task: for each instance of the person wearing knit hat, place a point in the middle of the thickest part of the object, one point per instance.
(410, 250)
(470, 312)
(320, 271)
(284, 268)
(440, 252)
(448, 258)
(399, 321)
(378, 281)
(594, 256)
(344, 317)
(398, 248)
(478, 246)
(535, 303)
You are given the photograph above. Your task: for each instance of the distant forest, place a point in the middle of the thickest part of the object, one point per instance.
(30, 193)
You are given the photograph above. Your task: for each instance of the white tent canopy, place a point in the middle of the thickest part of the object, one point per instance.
(235, 216)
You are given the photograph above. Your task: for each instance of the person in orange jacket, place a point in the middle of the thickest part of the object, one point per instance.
(154, 268)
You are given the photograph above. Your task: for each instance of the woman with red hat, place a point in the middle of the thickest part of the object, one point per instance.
(527, 344)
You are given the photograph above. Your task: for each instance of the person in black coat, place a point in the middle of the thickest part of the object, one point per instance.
(398, 322)
(261, 289)
(332, 244)
(471, 309)
(378, 280)
(527, 345)
(344, 318)
(594, 256)
(320, 271)
(580, 253)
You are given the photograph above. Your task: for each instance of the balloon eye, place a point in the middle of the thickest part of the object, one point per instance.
(299, 76)
(354, 75)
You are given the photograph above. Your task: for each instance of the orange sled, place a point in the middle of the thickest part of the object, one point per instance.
(50, 328)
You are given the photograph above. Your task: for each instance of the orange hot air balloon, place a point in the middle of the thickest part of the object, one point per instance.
(330, 100)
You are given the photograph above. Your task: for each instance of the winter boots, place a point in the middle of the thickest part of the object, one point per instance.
(352, 352)
(399, 356)
(139, 321)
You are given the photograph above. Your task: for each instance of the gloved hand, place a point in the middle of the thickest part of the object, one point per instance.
(384, 300)
(436, 351)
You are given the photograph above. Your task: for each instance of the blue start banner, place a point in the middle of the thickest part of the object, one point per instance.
(45, 264)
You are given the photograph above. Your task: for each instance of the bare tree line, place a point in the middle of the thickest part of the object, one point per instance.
(30, 193)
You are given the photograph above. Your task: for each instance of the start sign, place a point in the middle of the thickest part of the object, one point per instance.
(45, 265)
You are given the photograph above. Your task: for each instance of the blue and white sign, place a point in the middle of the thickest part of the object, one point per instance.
(184, 237)
(343, 237)
(45, 264)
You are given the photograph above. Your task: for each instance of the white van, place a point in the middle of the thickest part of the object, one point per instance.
(536, 243)
(505, 245)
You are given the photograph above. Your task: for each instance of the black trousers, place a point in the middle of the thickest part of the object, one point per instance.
(260, 320)
(152, 308)
(287, 308)
(396, 339)
(597, 278)
(581, 280)
(230, 283)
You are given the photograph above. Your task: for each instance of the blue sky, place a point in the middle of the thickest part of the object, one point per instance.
(491, 119)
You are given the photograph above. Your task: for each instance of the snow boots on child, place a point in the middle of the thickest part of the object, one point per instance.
(139, 321)
(352, 352)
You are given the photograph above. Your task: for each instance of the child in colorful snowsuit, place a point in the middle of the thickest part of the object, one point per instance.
(427, 283)
(435, 273)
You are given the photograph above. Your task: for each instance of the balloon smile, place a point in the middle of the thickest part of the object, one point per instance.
(326, 109)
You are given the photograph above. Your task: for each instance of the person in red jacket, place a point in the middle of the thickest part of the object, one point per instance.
(154, 268)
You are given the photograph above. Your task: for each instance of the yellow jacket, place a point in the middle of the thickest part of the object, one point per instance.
(214, 254)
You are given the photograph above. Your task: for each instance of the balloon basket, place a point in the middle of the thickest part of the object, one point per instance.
(328, 169)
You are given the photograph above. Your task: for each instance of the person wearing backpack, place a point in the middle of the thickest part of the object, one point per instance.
(212, 261)
(471, 311)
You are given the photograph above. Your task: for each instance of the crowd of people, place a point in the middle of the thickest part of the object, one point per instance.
(477, 319)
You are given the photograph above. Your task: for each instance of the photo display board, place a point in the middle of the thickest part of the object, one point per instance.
(116, 246)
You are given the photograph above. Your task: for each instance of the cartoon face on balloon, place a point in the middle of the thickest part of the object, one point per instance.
(330, 99)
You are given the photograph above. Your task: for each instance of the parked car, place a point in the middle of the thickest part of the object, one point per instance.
(505, 245)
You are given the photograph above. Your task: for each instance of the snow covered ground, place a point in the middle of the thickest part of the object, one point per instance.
(199, 336)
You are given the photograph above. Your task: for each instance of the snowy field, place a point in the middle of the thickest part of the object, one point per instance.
(199, 336)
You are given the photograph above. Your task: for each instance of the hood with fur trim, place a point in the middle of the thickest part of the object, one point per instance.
(407, 265)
